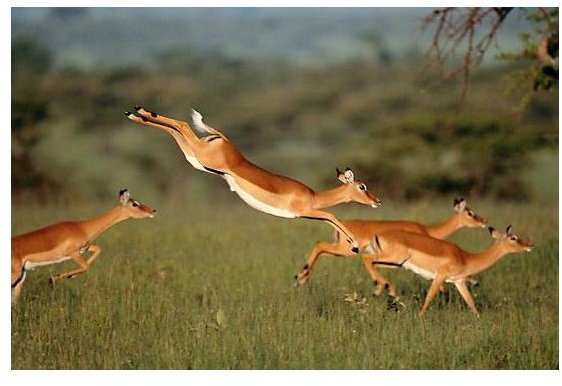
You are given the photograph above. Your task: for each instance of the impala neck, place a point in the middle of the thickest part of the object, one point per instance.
(478, 262)
(330, 197)
(98, 225)
(445, 228)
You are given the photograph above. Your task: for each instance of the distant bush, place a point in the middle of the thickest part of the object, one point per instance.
(391, 123)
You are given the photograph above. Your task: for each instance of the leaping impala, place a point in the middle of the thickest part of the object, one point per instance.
(442, 261)
(68, 240)
(364, 230)
(207, 149)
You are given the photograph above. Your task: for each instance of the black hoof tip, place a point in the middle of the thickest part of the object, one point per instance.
(354, 249)
(137, 108)
(144, 119)
(127, 113)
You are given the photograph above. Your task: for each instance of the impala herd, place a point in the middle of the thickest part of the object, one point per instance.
(382, 244)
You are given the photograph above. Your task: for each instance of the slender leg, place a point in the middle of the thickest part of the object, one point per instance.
(180, 126)
(84, 264)
(18, 277)
(465, 293)
(437, 281)
(379, 280)
(339, 249)
(316, 214)
(175, 133)
(203, 153)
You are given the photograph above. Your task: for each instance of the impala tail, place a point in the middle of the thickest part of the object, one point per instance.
(201, 129)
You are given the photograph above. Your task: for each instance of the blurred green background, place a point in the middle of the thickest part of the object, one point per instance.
(299, 91)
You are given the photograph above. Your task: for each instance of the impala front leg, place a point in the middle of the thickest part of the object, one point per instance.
(465, 293)
(378, 280)
(339, 249)
(84, 264)
(315, 214)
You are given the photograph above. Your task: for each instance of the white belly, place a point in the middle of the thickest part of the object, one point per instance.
(420, 271)
(254, 202)
(29, 265)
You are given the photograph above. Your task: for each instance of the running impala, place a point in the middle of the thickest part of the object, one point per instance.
(207, 149)
(442, 261)
(68, 240)
(364, 230)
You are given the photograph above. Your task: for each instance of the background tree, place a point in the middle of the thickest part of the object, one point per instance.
(30, 107)
(473, 30)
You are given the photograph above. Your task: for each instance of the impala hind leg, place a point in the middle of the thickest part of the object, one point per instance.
(177, 125)
(435, 284)
(84, 264)
(379, 280)
(18, 277)
(339, 249)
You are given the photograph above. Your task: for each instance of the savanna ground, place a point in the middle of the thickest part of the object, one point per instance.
(207, 284)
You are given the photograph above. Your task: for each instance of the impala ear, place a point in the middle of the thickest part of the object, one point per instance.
(508, 230)
(495, 234)
(459, 204)
(348, 174)
(124, 196)
(341, 176)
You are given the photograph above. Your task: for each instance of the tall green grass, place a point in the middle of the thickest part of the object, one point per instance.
(209, 286)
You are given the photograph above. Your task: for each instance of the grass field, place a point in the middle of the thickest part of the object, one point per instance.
(212, 289)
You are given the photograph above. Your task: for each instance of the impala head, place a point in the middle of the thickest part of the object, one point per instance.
(133, 208)
(468, 217)
(357, 189)
(511, 242)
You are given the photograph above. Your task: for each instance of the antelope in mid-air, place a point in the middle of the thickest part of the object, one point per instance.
(207, 149)
(365, 229)
(442, 261)
(68, 240)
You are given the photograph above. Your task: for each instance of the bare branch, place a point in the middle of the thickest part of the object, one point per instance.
(458, 27)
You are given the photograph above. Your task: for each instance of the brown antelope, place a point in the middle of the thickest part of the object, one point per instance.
(68, 240)
(364, 230)
(207, 149)
(442, 261)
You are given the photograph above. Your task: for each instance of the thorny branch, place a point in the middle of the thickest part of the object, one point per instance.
(456, 27)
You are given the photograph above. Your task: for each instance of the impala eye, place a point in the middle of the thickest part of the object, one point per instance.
(471, 213)
(135, 204)
(362, 187)
(513, 238)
